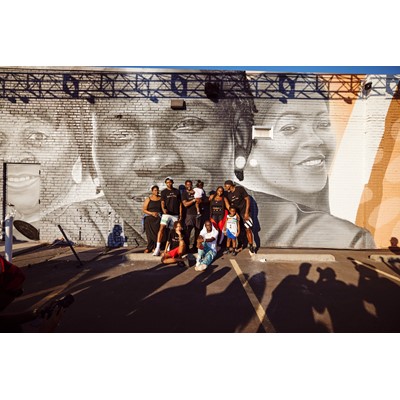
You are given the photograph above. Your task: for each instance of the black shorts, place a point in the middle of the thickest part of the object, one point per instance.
(247, 224)
(191, 220)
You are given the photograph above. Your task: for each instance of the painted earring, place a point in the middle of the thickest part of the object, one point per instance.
(96, 181)
(240, 162)
(253, 162)
(77, 171)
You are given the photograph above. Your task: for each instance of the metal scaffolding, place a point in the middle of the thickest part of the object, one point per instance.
(26, 86)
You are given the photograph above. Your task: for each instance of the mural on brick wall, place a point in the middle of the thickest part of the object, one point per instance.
(103, 140)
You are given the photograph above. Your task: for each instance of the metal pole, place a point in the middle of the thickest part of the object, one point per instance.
(9, 237)
(69, 244)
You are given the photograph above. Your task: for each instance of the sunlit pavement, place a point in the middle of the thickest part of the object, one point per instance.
(277, 290)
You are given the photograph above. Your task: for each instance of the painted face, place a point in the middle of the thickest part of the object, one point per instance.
(36, 138)
(298, 158)
(139, 143)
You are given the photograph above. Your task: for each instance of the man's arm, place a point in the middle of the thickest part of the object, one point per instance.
(247, 211)
(227, 205)
(187, 203)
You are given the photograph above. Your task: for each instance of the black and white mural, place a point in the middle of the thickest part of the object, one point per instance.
(102, 139)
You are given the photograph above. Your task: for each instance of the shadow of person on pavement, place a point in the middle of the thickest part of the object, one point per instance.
(382, 293)
(193, 307)
(292, 303)
(393, 263)
(105, 304)
(344, 304)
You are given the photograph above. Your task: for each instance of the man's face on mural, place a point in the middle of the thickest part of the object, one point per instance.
(137, 143)
(298, 157)
(36, 137)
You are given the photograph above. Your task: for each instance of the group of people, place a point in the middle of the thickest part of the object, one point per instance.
(225, 213)
(97, 162)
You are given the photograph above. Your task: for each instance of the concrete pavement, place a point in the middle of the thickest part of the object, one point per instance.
(276, 290)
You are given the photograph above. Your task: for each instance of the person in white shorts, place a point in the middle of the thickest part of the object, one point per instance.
(171, 206)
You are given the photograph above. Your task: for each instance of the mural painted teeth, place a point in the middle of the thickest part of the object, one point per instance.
(313, 162)
(19, 179)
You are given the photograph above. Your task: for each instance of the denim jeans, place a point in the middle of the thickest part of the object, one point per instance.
(206, 255)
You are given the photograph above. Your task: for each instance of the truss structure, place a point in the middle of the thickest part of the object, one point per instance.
(26, 86)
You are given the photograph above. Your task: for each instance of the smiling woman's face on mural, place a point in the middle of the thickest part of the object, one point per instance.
(138, 143)
(30, 137)
(298, 157)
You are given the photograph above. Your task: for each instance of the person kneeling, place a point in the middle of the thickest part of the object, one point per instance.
(176, 247)
(207, 245)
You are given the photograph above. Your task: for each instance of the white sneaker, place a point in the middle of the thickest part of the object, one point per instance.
(156, 252)
(200, 267)
(197, 262)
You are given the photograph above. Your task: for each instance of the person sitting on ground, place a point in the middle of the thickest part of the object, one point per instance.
(232, 231)
(175, 247)
(207, 245)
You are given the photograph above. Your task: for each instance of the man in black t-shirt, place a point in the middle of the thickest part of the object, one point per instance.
(238, 198)
(192, 220)
(171, 206)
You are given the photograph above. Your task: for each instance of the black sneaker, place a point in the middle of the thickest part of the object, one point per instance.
(252, 249)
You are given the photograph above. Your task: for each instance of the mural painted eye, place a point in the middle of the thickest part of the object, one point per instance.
(122, 136)
(36, 138)
(326, 124)
(189, 124)
(288, 129)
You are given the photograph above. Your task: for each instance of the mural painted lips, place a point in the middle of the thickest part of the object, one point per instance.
(316, 161)
(21, 182)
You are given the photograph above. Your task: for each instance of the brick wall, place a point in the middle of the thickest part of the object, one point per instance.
(103, 138)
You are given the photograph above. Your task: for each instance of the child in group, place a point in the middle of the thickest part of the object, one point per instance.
(198, 195)
(232, 231)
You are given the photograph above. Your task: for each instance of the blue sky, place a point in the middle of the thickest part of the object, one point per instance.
(304, 69)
